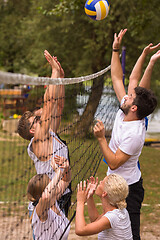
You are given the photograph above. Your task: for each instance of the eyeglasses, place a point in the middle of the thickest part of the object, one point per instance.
(35, 120)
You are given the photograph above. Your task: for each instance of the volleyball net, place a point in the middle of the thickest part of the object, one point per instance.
(86, 99)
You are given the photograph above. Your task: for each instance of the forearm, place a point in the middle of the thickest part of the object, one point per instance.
(80, 220)
(60, 98)
(137, 70)
(53, 107)
(50, 191)
(109, 156)
(66, 176)
(53, 92)
(117, 76)
(146, 79)
(136, 73)
(92, 210)
(116, 68)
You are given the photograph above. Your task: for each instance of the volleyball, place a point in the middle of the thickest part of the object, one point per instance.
(97, 9)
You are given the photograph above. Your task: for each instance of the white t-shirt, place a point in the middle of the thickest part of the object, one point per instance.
(52, 228)
(44, 167)
(129, 137)
(120, 226)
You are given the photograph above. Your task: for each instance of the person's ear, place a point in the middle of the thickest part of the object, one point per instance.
(32, 130)
(104, 194)
(134, 108)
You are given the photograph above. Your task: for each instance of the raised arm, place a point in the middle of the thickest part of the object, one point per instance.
(53, 102)
(116, 68)
(146, 79)
(54, 96)
(56, 187)
(81, 228)
(92, 210)
(114, 160)
(137, 70)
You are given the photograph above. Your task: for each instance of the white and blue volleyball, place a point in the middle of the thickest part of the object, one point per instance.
(97, 9)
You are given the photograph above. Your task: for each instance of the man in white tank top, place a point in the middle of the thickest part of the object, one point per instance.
(128, 133)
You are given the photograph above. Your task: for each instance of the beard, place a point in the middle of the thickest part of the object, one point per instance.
(125, 109)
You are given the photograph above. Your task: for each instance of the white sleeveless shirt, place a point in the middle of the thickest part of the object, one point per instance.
(44, 167)
(52, 228)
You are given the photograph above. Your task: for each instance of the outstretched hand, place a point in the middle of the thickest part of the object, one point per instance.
(148, 49)
(55, 64)
(118, 39)
(59, 162)
(62, 162)
(155, 57)
(82, 192)
(91, 186)
(52, 60)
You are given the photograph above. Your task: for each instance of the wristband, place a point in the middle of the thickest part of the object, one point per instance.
(115, 50)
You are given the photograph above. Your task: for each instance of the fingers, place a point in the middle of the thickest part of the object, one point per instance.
(98, 126)
(156, 46)
(61, 161)
(98, 123)
(84, 185)
(150, 45)
(92, 179)
(96, 181)
(52, 60)
(115, 36)
(87, 191)
(81, 186)
(151, 48)
(121, 34)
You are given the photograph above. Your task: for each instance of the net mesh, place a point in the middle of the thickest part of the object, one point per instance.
(85, 101)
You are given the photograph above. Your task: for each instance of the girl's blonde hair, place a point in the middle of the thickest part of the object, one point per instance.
(117, 190)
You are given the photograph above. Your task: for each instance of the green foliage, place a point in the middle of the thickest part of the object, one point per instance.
(35, 98)
(1, 118)
(83, 46)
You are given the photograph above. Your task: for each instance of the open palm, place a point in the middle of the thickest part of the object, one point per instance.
(91, 185)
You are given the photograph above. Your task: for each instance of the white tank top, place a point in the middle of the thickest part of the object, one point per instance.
(59, 148)
(52, 228)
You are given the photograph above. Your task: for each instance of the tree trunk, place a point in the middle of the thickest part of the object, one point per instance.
(83, 126)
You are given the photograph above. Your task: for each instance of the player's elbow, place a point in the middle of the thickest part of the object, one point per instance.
(45, 197)
(114, 166)
(79, 231)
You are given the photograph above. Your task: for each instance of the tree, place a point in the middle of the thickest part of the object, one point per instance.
(82, 45)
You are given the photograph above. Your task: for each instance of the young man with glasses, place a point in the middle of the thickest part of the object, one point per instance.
(40, 127)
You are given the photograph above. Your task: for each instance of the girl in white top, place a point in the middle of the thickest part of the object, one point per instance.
(48, 221)
(114, 222)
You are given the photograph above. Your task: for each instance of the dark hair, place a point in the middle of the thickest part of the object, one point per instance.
(24, 126)
(36, 186)
(145, 101)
